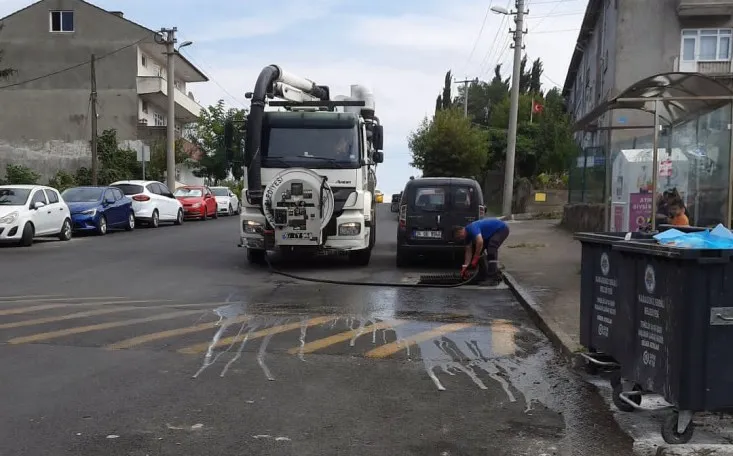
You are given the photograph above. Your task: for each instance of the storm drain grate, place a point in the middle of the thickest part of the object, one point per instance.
(452, 278)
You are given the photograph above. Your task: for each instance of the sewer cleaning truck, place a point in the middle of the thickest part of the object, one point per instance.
(310, 169)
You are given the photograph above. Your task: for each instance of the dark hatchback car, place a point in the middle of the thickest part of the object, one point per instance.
(395, 207)
(430, 209)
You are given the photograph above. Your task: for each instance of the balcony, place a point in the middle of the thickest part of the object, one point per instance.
(691, 8)
(709, 68)
(155, 90)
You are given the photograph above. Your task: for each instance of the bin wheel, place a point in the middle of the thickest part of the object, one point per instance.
(620, 403)
(670, 434)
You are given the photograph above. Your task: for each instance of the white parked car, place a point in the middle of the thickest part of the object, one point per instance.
(226, 201)
(152, 202)
(28, 211)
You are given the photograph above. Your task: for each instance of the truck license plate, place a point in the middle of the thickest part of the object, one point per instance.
(429, 234)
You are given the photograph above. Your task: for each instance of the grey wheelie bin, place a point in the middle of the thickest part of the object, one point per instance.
(606, 321)
(682, 299)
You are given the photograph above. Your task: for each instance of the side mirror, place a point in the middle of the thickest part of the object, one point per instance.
(228, 140)
(109, 201)
(378, 157)
(38, 205)
(378, 137)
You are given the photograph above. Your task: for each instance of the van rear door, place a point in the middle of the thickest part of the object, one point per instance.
(427, 207)
(464, 207)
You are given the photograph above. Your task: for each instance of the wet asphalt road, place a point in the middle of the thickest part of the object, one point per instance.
(165, 341)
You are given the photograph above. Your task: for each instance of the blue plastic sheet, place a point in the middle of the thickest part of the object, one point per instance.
(719, 237)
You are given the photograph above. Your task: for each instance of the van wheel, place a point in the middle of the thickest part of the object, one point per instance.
(360, 257)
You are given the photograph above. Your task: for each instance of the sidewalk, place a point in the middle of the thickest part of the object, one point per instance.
(542, 266)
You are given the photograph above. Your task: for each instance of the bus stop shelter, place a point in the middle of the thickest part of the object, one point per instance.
(679, 139)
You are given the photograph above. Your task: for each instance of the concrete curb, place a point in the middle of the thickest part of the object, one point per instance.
(546, 323)
(686, 450)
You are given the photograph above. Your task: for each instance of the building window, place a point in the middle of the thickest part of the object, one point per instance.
(706, 45)
(143, 61)
(62, 21)
(159, 120)
(145, 107)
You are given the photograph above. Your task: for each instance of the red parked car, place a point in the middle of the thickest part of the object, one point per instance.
(198, 202)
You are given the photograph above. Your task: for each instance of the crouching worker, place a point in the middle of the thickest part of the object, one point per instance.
(482, 236)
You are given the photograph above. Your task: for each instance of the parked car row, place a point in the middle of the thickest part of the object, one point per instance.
(30, 211)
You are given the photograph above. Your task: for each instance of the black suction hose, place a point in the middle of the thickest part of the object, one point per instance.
(368, 284)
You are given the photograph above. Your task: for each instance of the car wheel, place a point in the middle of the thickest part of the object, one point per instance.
(102, 226)
(216, 213)
(179, 217)
(65, 234)
(239, 208)
(205, 215)
(155, 221)
(28, 233)
(130, 222)
(230, 211)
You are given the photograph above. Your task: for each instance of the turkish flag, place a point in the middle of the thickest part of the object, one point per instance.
(537, 107)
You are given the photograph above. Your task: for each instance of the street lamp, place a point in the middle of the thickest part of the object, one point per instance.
(184, 44)
(499, 10)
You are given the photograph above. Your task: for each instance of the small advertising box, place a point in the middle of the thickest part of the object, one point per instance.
(631, 203)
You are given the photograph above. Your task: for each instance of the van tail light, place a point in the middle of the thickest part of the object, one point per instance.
(141, 198)
(403, 216)
(481, 211)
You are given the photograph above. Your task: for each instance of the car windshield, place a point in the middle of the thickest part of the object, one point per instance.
(10, 196)
(130, 189)
(189, 192)
(332, 147)
(82, 195)
(220, 191)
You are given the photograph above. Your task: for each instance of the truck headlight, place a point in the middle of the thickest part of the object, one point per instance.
(349, 229)
(252, 227)
(90, 212)
(10, 218)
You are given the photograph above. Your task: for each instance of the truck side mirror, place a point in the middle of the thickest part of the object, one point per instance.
(378, 137)
(378, 157)
(228, 140)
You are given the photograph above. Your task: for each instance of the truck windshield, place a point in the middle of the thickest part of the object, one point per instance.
(311, 147)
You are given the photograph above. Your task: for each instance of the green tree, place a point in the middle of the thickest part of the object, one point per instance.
(208, 135)
(158, 164)
(115, 163)
(20, 175)
(445, 99)
(62, 180)
(5, 73)
(448, 145)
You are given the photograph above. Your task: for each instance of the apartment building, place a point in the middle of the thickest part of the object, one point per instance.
(45, 115)
(624, 41)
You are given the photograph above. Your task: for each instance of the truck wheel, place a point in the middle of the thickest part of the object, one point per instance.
(256, 256)
(360, 257)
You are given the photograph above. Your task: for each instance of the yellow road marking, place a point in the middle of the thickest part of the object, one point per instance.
(89, 313)
(200, 348)
(20, 310)
(128, 343)
(14, 298)
(502, 338)
(392, 348)
(63, 299)
(342, 337)
(98, 327)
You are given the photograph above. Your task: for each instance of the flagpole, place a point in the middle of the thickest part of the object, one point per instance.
(531, 110)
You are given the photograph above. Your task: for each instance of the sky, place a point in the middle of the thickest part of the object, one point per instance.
(400, 49)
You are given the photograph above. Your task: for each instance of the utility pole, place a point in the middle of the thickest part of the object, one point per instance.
(465, 83)
(93, 101)
(513, 110)
(170, 52)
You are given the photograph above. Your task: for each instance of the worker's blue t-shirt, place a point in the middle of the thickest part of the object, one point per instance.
(485, 227)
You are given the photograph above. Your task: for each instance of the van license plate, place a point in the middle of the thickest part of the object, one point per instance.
(429, 234)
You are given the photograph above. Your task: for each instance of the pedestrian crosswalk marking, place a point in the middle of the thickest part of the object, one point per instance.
(320, 344)
(22, 310)
(393, 347)
(129, 343)
(89, 313)
(98, 327)
(201, 348)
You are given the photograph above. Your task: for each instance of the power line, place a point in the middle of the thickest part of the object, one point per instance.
(73, 67)
(536, 26)
(212, 79)
(480, 33)
(487, 58)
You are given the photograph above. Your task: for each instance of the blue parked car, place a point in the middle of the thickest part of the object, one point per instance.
(99, 209)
